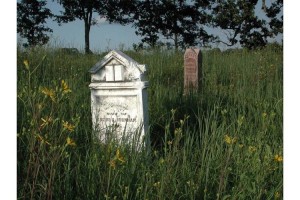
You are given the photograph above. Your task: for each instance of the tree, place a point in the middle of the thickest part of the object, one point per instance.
(85, 9)
(274, 12)
(239, 22)
(147, 20)
(241, 25)
(177, 20)
(31, 17)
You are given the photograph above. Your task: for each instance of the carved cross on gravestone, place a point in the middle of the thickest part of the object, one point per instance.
(192, 69)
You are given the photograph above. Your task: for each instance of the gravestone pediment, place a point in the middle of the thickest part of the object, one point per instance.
(117, 66)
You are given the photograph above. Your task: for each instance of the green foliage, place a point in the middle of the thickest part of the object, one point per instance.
(180, 21)
(223, 142)
(273, 12)
(242, 25)
(31, 17)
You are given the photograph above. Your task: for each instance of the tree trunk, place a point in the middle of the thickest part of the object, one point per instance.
(87, 28)
(176, 41)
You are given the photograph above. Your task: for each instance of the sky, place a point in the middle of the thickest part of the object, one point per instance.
(105, 36)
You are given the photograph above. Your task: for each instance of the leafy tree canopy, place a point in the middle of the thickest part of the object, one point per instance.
(178, 20)
(242, 26)
(31, 17)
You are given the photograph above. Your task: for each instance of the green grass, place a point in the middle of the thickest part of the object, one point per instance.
(223, 142)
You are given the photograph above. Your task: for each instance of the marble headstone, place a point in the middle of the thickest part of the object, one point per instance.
(119, 100)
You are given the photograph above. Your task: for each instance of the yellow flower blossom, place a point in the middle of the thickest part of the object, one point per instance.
(41, 139)
(252, 149)
(229, 140)
(112, 164)
(49, 92)
(161, 161)
(224, 112)
(46, 121)
(277, 195)
(240, 120)
(272, 114)
(119, 156)
(26, 63)
(181, 122)
(157, 184)
(68, 126)
(70, 142)
(65, 87)
(39, 106)
(178, 132)
(278, 158)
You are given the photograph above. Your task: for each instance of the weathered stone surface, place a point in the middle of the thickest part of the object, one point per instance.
(119, 98)
(192, 69)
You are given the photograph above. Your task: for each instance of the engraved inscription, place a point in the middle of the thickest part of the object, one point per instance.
(190, 66)
(118, 110)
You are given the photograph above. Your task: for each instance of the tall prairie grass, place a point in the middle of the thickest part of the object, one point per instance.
(222, 142)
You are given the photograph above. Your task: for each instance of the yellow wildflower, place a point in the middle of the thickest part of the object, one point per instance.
(223, 112)
(178, 132)
(278, 158)
(181, 122)
(65, 87)
(240, 120)
(264, 114)
(252, 148)
(161, 161)
(230, 140)
(26, 63)
(173, 111)
(42, 140)
(157, 184)
(49, 92)
(70, 142)
(119, 156)
(39, 106)
(272, 114)
(46, 121)
(68, 126)
(277, 195)
(112, 164)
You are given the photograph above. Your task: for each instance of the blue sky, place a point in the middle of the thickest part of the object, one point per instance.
(105, 36)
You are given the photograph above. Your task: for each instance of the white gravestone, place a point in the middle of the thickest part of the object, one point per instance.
(119, 98)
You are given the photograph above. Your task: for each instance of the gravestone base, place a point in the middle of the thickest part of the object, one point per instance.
(117, 111)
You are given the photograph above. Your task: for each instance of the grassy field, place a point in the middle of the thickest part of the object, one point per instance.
(223, 142)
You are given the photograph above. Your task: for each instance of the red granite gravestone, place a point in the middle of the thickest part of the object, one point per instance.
(192, 69)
